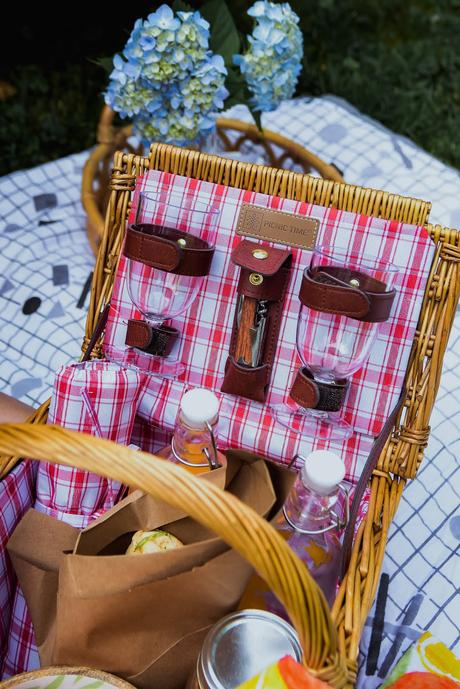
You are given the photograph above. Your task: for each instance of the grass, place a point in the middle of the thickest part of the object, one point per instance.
(396, 61)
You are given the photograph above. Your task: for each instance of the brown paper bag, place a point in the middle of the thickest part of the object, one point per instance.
(37, 549)
(142, 617)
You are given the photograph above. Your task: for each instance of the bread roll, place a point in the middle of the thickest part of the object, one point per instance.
(152, 542)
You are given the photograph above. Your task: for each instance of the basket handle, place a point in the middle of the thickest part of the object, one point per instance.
(105, 127)
(236, 523)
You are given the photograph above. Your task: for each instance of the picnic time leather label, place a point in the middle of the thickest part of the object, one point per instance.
(277, 226)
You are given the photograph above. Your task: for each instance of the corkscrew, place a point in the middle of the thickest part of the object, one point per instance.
(252, 317)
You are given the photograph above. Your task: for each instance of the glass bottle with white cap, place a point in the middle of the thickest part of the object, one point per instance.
(194, 440)
(312, 522)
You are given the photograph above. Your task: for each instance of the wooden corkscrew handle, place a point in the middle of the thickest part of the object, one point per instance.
(243, 349)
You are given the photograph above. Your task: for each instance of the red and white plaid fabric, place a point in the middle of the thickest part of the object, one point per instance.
(21, 651)
(17, 495)
(96, 397)
(206, 327)
(99, 398)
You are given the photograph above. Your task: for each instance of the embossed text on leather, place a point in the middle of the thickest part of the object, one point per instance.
(277, 226)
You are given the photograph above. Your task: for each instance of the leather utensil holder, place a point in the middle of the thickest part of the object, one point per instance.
(264, 277)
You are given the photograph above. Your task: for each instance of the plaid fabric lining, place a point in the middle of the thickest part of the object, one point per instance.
(17, 493)
(206, 326)
(98, 398)
(22, 653)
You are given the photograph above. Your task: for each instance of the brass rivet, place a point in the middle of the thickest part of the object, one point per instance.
(260, 254)
(182, 242)
(354, 282)
(256, 279)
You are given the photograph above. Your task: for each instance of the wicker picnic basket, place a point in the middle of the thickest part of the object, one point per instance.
(330, 639)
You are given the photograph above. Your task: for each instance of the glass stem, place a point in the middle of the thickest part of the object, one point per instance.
(154, 323)
(317, 413)
(325, 378)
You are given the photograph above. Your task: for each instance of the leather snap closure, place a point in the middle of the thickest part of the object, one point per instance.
(256, 279)
(260, 254)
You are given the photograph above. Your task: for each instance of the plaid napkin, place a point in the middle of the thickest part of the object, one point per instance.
(96, 397)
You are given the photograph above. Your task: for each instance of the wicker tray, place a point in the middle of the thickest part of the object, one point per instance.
(330, 640)
(233, 135)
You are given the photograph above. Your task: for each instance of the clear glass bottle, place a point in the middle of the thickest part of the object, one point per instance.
(311, 525)
(193, 443)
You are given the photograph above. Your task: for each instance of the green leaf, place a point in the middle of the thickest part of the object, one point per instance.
(224, 39)
(239, 93)
(257, 115)
(105, 62)
(181, 6)
(236, 85)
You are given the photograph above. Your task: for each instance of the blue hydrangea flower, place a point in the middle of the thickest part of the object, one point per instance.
(167, 80)
(273, 61)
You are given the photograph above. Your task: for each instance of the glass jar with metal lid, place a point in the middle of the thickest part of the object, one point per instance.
(240, 646)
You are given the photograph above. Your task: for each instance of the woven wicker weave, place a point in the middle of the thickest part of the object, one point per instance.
(330, 641)
(38, 678)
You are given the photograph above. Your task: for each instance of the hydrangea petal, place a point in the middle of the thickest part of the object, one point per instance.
(169, 82)
(273, 61)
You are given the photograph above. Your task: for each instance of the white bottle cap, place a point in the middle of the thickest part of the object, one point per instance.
(323, 471)
(198, 407)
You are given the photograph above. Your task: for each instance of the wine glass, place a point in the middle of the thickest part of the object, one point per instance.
(184, 228)
(332, 346)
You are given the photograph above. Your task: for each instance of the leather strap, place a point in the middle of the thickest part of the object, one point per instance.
(364, 479)
(98, 330)
(271, 270)
(346, 292)
(158, 341)
(260, 258)
(312, 394)
(173, 251)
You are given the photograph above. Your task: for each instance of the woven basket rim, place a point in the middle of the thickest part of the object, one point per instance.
(65, 670)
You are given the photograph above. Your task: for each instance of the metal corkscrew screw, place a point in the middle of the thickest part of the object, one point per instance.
(252, 317)
(258, 333)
